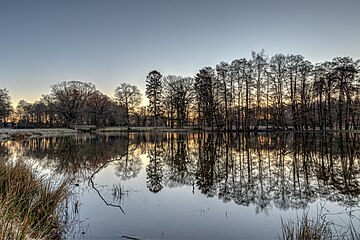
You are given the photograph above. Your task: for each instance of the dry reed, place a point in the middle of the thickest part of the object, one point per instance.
(29, 205)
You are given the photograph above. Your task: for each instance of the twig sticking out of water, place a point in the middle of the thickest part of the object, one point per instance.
(117, 191)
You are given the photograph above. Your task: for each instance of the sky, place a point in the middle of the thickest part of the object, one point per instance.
(108, 42)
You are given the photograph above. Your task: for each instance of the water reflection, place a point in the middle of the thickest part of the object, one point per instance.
(282, 170)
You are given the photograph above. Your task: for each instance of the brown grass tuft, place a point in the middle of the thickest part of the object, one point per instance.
(29, 205)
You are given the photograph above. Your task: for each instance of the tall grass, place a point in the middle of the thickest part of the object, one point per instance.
(319, 228)
(307, 229)
(29, 205)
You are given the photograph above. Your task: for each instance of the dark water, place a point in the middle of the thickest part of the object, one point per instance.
(199, 186)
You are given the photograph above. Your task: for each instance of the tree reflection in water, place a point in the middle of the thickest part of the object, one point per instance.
(154, 171)
(285, 170)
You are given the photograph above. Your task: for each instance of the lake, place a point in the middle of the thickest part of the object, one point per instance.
(198, 185)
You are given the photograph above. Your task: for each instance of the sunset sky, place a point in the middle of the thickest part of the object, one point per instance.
(114, 41)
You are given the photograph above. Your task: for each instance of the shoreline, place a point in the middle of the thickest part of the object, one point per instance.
(16, 134)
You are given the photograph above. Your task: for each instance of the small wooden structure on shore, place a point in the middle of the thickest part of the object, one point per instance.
(84, 128)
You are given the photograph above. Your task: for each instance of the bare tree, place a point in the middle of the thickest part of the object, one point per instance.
(305, 111)
(344, 73)
(259, 63)
(293, 62)
(99, 108)
(278, 70)
(223, 76)
(38, 112)
(178, 94)
(242, 74)
(69, 99)
(128, 96)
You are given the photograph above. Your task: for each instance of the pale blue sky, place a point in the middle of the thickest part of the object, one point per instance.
(113, 41)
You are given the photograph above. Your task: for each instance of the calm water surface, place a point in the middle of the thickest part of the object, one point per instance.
(198, 186)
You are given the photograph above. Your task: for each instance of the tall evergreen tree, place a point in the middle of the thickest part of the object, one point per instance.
(5, 104)
(204, 81)
(154, 93)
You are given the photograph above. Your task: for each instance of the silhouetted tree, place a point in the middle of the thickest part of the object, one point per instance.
(128, 96)
(319, 95)
(259, 64)
(22, 111)
(305, 110)
(5, 104)
(204, 82)
(154, 93)
(242, 73)
(224, 87)
(69, 99)
(99, 108)
(344, 73)
(178, 93)
(293, 62)
(154, 171)
(39, 112)
(278, 70)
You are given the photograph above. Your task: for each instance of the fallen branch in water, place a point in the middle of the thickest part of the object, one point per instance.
(98, 192)
(132, 238)
(102, 198)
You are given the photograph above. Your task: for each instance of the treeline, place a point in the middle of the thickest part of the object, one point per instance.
(278, 92)
(76, 102)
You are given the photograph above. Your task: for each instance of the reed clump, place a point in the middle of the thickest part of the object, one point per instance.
(307, 229)
(29, 204)
(320, 228)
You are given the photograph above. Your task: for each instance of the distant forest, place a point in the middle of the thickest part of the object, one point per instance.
(278, 92)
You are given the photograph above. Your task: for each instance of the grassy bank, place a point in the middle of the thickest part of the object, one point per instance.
(29, 205)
